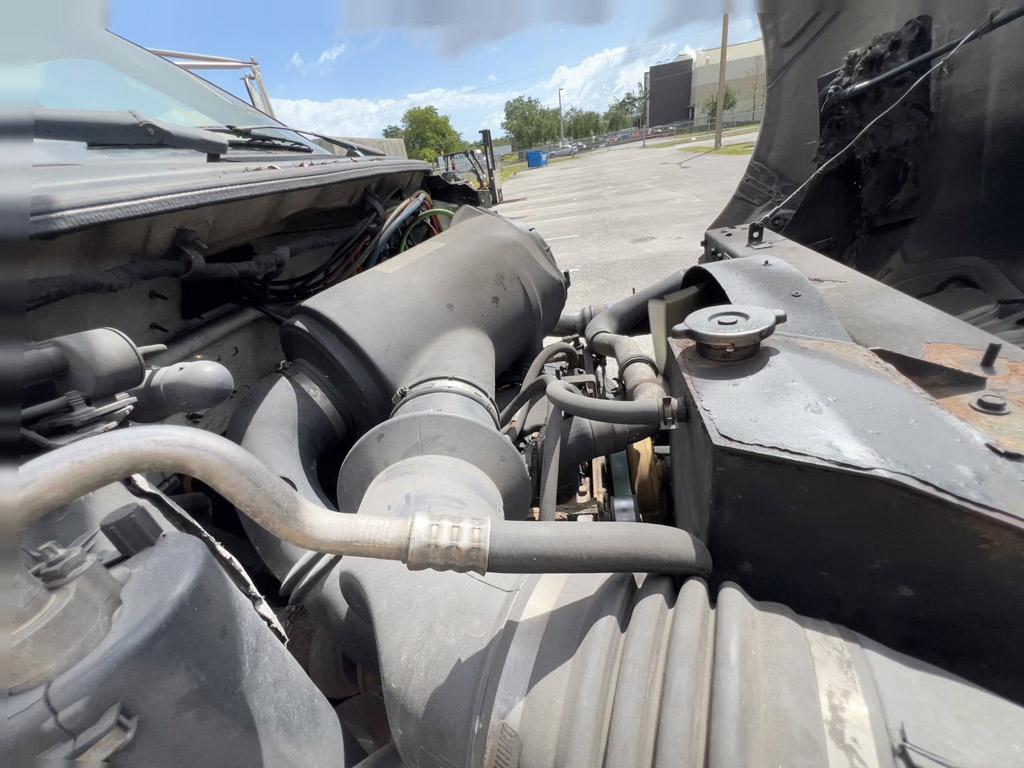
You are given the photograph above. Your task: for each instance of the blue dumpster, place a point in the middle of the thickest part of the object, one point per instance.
(536, 159)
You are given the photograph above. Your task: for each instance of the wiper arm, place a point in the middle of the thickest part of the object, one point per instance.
(123, 129)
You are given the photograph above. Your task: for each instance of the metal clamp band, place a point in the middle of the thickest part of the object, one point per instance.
(448, 543)
(446, 386)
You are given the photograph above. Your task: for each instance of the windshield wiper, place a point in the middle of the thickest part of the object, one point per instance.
(354, 150)
(250, 139)
(123, 129)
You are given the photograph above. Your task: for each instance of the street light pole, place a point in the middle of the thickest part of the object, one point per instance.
(561, 123)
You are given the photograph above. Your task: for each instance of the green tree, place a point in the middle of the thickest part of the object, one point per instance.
(427, 134)
(617, 118)
(528, 123)
(710, 105)
(632, 106)
(579, 124)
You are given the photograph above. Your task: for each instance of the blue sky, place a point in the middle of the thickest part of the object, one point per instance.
(350, 68)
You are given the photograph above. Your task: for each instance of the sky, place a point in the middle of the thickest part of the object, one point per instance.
(351, 68)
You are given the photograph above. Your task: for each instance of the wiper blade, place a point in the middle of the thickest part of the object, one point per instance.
(123, 129)
(357, 150)
(253, 140)
(271, 144)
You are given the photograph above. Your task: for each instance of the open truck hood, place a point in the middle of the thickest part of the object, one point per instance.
(928, 199)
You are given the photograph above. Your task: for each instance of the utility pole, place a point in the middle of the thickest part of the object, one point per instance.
(561, 123)
(721, 81)
(645, 113)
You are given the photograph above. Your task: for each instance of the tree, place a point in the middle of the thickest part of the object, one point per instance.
(580, 124)
(528, 123)
(632, 105)
(628, 111)
(616, 119)
(710, 105)
(427, 134)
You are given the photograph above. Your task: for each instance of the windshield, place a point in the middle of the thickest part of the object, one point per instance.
(100, 71)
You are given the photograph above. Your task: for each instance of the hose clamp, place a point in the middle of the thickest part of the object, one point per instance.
(637, 358)
(670, 412)
(448, 386)
(448, 543)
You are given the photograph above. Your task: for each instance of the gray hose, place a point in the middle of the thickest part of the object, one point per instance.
(584, 439)
(58, 477)
(550, 464)
(547, 354)
(625, 315)
(541, 547)
(648, 412)
(530, 391)
(574, 322)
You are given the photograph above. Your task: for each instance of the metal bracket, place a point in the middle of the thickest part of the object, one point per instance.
(755, 236)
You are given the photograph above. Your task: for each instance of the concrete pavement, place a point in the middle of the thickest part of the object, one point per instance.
(621, 219)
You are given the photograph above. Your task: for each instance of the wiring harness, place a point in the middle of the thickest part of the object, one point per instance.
(376, 238)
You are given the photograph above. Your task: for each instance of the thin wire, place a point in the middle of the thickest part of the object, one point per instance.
(824, 166)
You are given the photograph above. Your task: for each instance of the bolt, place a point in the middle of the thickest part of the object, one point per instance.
(797, 294)
(991, 403)
(767, 263)
(991, 354)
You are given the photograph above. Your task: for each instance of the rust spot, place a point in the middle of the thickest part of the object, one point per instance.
(1006, 378)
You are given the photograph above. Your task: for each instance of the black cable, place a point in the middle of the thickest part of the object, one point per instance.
(994, 23)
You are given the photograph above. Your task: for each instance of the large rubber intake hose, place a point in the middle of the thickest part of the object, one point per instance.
(439, 542)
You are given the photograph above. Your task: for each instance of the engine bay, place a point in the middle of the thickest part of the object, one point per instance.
(337, 497)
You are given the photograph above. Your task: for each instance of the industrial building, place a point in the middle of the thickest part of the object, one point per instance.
(678, 89)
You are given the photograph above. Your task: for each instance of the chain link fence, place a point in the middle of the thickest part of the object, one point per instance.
(694, 129)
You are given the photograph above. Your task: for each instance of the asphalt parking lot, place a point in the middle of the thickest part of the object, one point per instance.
(622, 218)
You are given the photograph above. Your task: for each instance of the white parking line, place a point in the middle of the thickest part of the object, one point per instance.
(560, 237)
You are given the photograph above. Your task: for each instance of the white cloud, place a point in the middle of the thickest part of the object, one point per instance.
(328, 56)
(492, 78)
(604, 76)
(323, 62)
(297, 63)
(469, 109)
(592, 83)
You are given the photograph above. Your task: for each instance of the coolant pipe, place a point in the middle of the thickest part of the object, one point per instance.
(606, 335)
(439, 542)
(648, 412)
(574, 322)
(626, 315)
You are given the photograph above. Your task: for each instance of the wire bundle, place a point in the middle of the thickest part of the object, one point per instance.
(369, 243)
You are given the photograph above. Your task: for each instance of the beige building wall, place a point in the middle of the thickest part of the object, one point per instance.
(744, 72)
